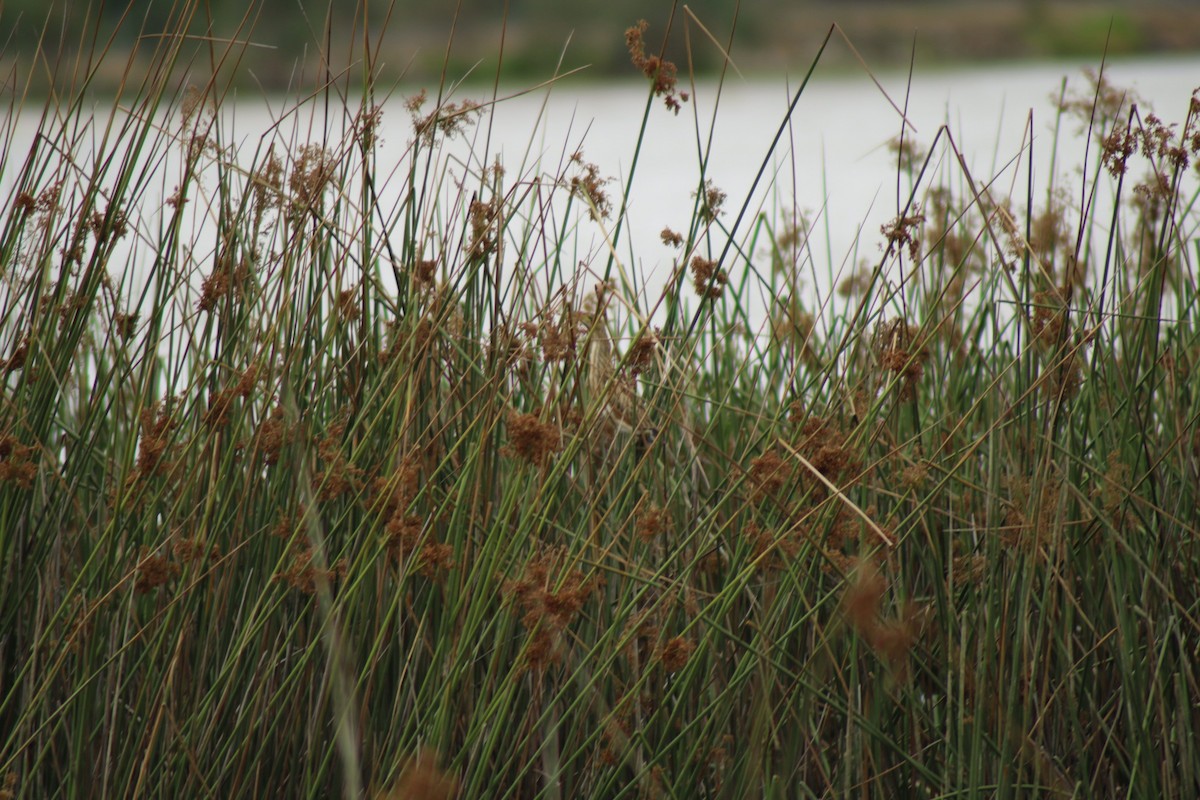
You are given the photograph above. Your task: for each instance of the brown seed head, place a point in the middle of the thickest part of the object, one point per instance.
(16, 462)
(863, 597)
(641, 354)
(661, 72)
(531, 439)
(153, 571)
(422, 779)
(768, 474)
(707, 280)
(652, 522)
(675, 653)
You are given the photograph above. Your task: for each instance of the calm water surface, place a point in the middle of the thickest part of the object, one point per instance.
(833, 162)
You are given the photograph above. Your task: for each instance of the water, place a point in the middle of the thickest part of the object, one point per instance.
(833, 163)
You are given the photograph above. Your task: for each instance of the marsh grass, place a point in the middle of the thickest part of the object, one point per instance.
(343, 496)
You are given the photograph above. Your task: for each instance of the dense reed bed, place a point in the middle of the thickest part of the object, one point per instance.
(308, 494)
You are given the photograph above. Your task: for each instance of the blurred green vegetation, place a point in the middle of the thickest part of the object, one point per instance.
(526, 39)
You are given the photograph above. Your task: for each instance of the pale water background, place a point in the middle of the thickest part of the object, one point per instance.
(833, 165)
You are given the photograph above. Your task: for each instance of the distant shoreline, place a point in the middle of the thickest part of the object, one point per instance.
(887, 35)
